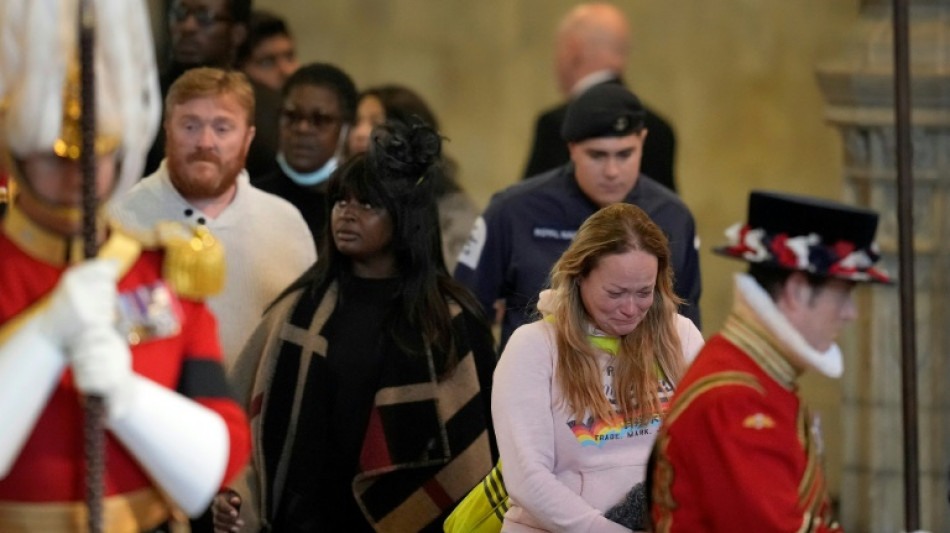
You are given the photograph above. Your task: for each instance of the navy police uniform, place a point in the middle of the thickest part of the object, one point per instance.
(528, 226)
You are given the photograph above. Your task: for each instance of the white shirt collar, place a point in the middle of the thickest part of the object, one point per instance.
(796, 349)
(590, 80)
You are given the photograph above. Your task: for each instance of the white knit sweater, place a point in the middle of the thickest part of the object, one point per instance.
(267, 245)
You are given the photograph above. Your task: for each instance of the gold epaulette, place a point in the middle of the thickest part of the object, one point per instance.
(194, 260)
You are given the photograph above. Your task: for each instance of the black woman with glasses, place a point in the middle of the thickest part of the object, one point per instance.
(207, 33)
(317, 109)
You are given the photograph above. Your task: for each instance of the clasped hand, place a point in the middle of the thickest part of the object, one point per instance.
(81, 318)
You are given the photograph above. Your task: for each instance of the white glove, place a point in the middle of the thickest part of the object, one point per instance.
(183, 445)
(85, 297)
(102, 366)
(33, 357)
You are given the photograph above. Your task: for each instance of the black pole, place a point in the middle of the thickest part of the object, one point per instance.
(93, 407)
(905, 224)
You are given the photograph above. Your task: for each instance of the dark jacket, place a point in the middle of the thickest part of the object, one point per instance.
(527, 227)
(310, 201)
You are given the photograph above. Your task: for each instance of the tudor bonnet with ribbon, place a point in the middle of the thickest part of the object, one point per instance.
(812, 235)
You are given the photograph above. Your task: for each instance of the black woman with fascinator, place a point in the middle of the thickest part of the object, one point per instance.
(368, 383)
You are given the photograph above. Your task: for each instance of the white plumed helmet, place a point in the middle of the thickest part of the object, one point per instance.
(39, 56)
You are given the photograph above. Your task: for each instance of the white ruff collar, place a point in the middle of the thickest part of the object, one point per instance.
(751, 297)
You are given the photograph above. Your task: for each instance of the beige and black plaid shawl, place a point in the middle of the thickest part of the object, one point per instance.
(427, 441)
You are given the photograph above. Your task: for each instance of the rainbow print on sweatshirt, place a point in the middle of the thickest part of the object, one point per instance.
(597, 432)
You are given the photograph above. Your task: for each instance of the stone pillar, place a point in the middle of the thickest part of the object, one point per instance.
(857, 83)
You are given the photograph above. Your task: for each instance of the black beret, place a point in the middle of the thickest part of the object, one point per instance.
(605, 110)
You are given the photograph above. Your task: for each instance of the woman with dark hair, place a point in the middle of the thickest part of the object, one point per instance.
(457, 211)
(368, 381)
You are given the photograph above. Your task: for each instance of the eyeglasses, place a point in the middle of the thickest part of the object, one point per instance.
(204, 17)
(316, 120)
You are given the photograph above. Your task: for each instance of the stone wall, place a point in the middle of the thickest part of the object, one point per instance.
(857, 81)
(736, 78)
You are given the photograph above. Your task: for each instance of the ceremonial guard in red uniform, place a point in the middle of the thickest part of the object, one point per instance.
(739, 451)
(128, 326)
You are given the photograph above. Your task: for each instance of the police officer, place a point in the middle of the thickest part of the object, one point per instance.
(527, 226)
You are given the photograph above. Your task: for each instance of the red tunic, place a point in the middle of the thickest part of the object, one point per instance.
(50, 466)
(736, 452)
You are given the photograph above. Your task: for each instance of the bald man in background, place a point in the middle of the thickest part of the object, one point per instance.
(592, 48)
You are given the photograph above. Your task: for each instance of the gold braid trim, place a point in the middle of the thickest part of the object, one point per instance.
(712, 381)
(811, 490)
(136, 511)
(663, 482)
(663, 485)
(756, 341)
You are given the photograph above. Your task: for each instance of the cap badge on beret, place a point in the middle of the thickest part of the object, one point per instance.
(606, 110)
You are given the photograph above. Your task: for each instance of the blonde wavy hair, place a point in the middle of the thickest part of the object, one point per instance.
(653, 346)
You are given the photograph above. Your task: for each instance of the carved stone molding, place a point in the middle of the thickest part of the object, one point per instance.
(857, 83)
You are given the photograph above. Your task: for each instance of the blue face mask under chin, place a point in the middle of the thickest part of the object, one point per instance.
(307, 179)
